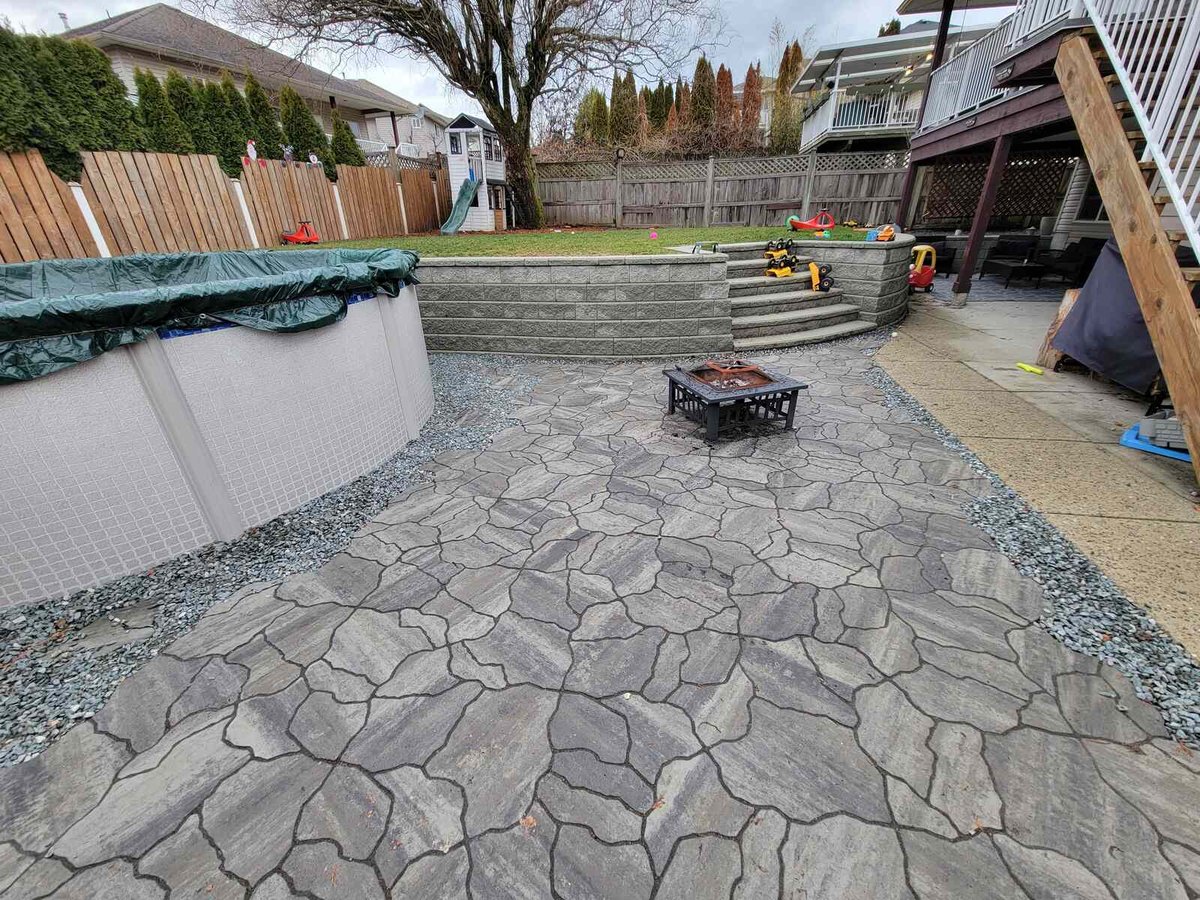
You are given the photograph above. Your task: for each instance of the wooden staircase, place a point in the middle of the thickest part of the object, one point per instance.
(1126, 185)
(773, 313)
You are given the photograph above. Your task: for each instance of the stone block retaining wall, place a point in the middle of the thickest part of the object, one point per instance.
(606, 306)
(874, 276)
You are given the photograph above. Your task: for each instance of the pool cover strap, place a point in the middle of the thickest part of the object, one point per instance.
(57, 313)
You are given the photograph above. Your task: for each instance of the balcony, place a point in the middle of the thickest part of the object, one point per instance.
(964, 84)
(859, 113)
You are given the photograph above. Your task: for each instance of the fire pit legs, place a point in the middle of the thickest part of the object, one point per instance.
(712, 421)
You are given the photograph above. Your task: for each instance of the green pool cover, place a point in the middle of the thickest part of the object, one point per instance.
(56, 313)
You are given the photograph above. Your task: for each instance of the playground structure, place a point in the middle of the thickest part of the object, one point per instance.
(476, 165)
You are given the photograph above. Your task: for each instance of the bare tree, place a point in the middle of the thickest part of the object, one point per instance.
(512, 56)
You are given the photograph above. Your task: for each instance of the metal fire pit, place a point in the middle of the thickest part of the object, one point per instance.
(730, 394)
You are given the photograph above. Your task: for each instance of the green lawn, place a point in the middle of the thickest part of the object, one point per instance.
(578, 242)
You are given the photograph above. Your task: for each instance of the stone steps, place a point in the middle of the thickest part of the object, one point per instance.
(799, 338)
(789, 323)
(747, 268)
(783, 301)
(769, 284)
(747, 250)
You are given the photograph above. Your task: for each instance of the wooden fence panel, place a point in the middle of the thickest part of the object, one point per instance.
(39, 219)
(162, 203)
(281, 195)
(422, 204)
(742, 190)
(370, 201)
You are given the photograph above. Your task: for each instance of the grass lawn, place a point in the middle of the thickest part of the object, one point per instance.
(578, 241)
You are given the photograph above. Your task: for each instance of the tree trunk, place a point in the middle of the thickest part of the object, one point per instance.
(522, 182)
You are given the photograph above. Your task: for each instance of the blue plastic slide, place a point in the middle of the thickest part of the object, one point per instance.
(466, 196)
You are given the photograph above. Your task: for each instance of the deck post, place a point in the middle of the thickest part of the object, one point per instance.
(907, 188)
(983, 214)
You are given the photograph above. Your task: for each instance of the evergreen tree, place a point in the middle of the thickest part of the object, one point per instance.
(228, 142)
(668, 101)
(302, 130)
(672, 120)
(751, 109)
(16, 104)
(181, 94)
(703, 106)
(115, 117)
(683, 106)
(344, 147)
(643, 118)
(265, 123)
(624, 110)
(591, 122)
(238, 109)
(786, 111)
(887, 29)
(163, 129)
(725, 124)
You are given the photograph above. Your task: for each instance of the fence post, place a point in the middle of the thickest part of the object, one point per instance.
(437, 202)
(241, 199)
(708, 193)
(810, 167)
(337, 201)
(90, 218)
(618, 212)
(403, 207)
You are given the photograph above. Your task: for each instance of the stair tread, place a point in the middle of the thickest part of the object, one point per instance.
(811, 336)
(797, 315)
(750, 301)
(1190, 274)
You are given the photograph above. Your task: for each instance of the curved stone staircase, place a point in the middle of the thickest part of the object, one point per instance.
(782, 312)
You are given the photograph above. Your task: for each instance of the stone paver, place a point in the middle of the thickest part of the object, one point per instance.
(603, 659)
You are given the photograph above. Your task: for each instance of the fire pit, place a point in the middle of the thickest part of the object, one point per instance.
(728, 394)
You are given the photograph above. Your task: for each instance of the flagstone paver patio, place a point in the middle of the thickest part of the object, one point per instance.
(604, 659)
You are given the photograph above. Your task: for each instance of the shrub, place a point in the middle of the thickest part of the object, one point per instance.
(164, 130)
(344, 148)
(264, 121)
(182, 95)
(229, 143)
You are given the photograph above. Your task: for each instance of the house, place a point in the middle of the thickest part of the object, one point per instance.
(413, 129)
(160, 37)
(474, 153)
(866, 94)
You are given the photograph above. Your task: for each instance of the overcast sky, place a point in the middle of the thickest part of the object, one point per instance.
(745, 39)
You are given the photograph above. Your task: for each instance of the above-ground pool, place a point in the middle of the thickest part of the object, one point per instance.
(192, 428)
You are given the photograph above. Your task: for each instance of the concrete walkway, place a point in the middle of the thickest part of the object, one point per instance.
(1054, 439)
(604, 659)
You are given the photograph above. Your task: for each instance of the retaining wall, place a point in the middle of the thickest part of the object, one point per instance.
(874, 276)
(161, 447)
(608, 306)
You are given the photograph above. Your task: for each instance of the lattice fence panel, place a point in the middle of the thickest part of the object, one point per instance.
(760, 165)
(666, 171)
(1032, 187)
(861, 162)
(582, 171)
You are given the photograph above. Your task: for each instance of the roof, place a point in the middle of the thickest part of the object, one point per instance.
(902, 59)
(465, 120)
(398, 104)
(172, 34)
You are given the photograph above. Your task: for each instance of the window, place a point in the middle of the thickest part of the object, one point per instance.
(455, 146)
(418, 122)
(1091, 208)
(487, 146)
(499, 157)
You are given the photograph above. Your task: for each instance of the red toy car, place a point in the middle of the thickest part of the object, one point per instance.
(923, 268)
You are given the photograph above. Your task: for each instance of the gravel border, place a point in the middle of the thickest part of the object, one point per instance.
(1086, 611)
(46, 685)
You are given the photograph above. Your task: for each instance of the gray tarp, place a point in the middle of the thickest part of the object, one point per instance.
(56, 313)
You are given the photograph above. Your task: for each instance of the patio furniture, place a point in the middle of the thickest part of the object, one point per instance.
(1014, 268)
(1074, 263)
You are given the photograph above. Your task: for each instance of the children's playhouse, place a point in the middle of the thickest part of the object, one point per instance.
(476, 175)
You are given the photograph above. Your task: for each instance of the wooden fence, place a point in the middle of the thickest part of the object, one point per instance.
(425, 185)
(738, 191)
(164, 203)
(371, 201)
(39, 219)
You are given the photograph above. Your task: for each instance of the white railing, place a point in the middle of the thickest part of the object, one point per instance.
(1154, 47)
(852, 111)
(1035, 15)
(369, 146)
(964, 84)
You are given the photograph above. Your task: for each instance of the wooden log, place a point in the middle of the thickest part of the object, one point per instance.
(1048, 357)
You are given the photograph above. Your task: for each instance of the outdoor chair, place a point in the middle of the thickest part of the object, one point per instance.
(1012, 248)
(1074, 263)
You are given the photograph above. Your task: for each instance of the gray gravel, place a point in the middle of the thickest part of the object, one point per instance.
(1086, 611)
(52, 675)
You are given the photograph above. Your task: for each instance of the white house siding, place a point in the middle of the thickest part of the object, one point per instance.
(480, 216)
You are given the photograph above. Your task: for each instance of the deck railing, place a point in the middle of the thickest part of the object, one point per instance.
(1154, 47)
(964, 84)
(846, 111)
(1035, 15)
